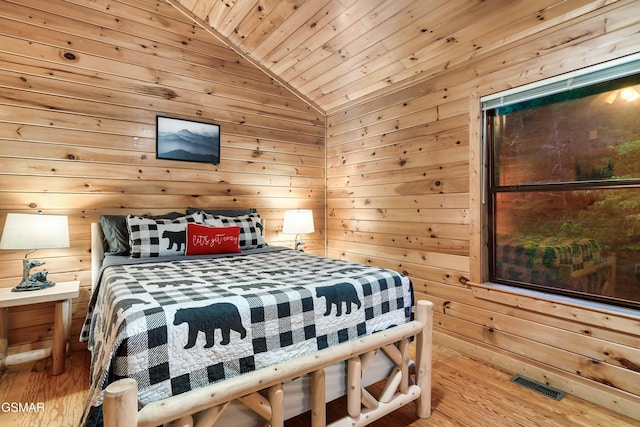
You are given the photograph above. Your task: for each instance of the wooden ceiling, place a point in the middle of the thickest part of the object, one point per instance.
(333, 52)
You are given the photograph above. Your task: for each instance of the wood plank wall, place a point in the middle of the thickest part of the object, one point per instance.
(403, 192)
(81, 83)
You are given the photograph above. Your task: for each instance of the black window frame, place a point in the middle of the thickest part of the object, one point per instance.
(582, 79)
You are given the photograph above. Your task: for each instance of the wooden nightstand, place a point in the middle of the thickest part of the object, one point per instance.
(62, 294)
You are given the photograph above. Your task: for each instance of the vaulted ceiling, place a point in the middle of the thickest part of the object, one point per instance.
(333, 52)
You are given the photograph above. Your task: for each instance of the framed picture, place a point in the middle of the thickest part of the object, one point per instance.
(178, 139)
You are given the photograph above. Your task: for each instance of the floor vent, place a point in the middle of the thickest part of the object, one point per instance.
(538, 387)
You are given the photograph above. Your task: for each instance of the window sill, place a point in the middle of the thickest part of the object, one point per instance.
(618, 318)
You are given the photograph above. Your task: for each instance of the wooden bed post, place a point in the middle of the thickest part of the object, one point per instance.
(424, 315)
(276, 399)
(318, 405)
(120, 404)
(354, 387)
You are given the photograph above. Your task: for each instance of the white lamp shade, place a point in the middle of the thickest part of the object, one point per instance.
(31, 231)
(299, 221)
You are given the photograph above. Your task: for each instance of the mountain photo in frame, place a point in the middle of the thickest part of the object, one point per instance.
(178, 139)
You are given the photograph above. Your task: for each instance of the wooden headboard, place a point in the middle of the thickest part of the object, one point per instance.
(97, 250)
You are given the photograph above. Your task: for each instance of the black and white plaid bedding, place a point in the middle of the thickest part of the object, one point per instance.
(179, 325)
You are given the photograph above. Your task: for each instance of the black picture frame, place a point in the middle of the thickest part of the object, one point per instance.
(187, 140)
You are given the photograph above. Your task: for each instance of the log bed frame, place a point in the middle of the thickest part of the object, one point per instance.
(262, 390)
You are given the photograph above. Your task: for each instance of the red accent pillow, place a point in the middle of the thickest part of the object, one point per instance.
(202, 240)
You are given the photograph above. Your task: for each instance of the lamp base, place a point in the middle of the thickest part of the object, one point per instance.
(35, 281)
(33, 285)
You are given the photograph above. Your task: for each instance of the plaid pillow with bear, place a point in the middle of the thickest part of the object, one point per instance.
(150, 237)
(251, 229)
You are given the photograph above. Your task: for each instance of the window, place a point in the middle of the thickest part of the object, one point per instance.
(563, 187)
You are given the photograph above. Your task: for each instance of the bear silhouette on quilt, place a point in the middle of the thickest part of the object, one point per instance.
(338, 294)
(222, 315)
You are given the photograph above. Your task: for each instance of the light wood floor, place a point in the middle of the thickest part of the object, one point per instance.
(465, 392)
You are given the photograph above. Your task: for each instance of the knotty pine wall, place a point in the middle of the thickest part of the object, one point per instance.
(403, 192)
(81, 83)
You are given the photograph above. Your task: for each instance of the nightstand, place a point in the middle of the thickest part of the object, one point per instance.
(62, 294)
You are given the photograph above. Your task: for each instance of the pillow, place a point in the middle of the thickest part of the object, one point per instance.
(224, 212)
(202, 240)
(116, 233)
(251, 231)
(168, 215)
(150, 237)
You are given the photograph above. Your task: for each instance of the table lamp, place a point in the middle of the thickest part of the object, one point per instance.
(298, 221)
(33, 232)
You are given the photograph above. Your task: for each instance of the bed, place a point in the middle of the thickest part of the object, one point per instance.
(246, 338)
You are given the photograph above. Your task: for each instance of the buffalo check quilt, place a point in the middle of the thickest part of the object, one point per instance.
(178, 325)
